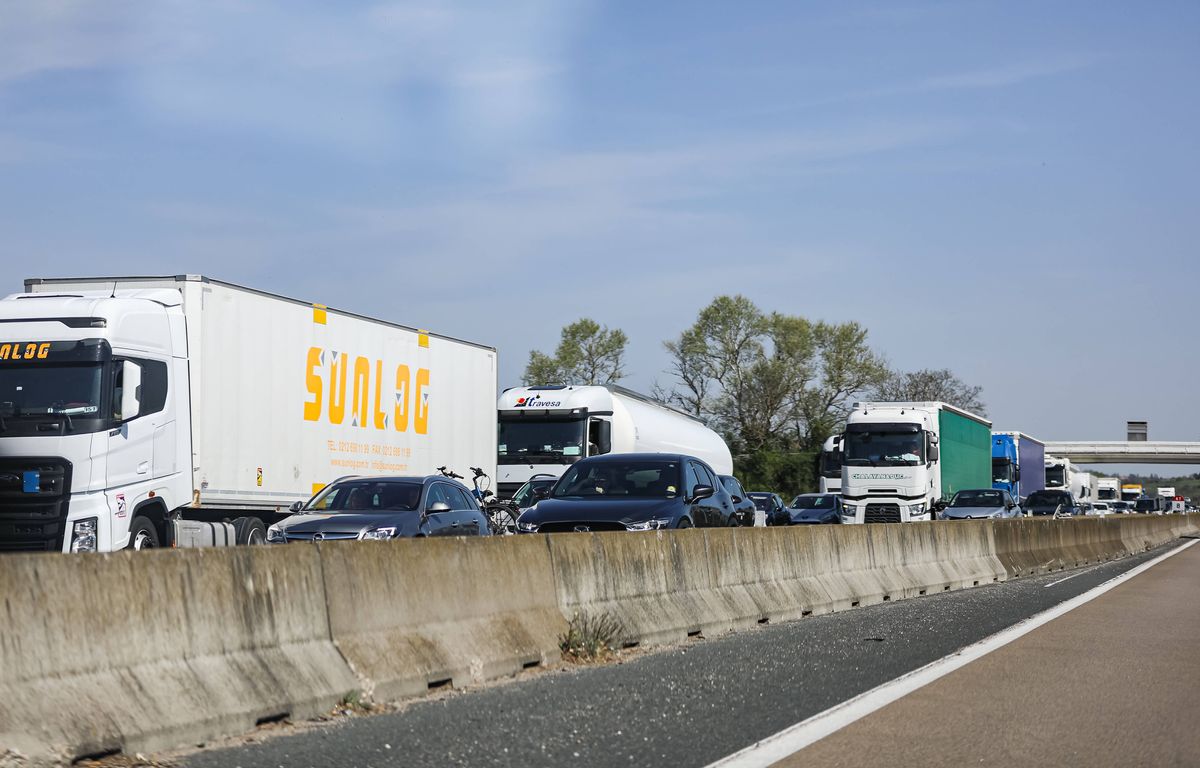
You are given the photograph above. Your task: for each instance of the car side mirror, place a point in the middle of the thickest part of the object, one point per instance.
(296, 506)
(437, 506)
(131, 389)
(735, 499)
(938, 506)
(1009, 505)
(702, 492)
(541, 493)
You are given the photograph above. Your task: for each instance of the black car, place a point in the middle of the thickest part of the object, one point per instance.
(631, 492)
(771, 505)
(383, 508)
(810, 508)
(1047, 502)
(743, 506)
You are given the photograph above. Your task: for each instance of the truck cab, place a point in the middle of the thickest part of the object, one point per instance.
(829, 468)
(545, 429)
(1006, 471)
(89, 427)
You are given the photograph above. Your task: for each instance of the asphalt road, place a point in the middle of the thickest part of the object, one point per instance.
(685, 706)
(1114, 682)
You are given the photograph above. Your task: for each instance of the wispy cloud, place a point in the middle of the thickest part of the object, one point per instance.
(1001, 76)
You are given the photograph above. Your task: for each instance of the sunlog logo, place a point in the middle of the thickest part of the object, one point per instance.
(384, 397)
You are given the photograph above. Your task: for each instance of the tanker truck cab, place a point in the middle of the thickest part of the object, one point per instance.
(901, 459)
(89, 429)
(545, 429)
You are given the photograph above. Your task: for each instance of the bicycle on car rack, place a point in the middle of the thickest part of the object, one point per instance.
(501, 514)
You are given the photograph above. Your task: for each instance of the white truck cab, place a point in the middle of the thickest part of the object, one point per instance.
(88, 419)
(545, 429)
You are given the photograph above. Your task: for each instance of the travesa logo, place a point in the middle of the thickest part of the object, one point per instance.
(878, 476)
(537, 402)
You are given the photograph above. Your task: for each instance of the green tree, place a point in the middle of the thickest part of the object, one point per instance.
(587, 353)
(769, 381)
(932, 385)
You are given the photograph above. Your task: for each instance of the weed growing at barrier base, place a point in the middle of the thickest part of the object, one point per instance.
(590, 637)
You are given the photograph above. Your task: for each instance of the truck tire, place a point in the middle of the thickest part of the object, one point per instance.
(142, 534)
(249, 531)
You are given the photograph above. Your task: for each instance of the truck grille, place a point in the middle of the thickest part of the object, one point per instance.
(34, 521)
(882, 513)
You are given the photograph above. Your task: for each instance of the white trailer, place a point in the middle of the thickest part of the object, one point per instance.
(163, 407)
(545, 429)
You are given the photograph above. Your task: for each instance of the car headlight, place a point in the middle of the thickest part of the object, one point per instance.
(377, 534)
(524, 526)
(83, 535)
(275, 535)
(654, 524)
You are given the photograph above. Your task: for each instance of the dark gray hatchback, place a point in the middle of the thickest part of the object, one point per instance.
(383, 508)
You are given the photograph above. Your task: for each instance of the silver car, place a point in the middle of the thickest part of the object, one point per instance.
(982, 504)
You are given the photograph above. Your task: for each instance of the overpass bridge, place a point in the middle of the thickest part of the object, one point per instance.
(1124, 452)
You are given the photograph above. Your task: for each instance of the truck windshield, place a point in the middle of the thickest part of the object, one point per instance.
(1106, 494)
(546, 441)
(1001, 471)
(1056, 477)
(831, 463)
(884, 449)
(50, 390)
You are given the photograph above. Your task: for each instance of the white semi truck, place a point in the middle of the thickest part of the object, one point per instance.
(1108, 489)
(901, 459)
(545, 429)
(184, 411)
(1058, 473)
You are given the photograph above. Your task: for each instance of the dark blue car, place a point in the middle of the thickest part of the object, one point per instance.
(810, 508)
(631, 492)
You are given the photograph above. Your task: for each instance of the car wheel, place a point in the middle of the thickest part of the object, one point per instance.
(683, 523)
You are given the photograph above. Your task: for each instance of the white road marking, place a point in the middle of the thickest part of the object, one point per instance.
(795, 738)
(1067, 578)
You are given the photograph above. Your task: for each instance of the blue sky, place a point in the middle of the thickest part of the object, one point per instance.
(1005, 189)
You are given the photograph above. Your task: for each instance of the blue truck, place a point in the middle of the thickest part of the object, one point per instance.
(1018, 463)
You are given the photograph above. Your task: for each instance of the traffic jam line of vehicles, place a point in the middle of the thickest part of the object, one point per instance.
(184, 411)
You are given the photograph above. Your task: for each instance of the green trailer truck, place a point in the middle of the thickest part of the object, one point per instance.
(900, 459)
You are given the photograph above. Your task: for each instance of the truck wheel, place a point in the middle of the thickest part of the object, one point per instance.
(249, 531)
(142, 534)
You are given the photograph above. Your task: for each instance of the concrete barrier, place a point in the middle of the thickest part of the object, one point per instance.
(142, 651)
(412, 615)
(150, 650)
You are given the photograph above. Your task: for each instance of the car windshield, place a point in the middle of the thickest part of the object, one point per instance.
(359, 496)
(1145, 505)
(620, 479)
(977, 499)
(557, 440)
(524, 497)
(1047, 498)
(884, 448)
(1001, 471)
(816, 501)
(762, 502)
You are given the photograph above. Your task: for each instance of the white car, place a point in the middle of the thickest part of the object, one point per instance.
(1101, 508)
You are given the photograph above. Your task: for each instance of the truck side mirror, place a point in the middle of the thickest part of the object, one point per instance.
(1017, 473)
(933, 452)
(131, 389)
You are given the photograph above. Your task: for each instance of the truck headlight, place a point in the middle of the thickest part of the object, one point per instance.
(916, 509)
(654, 524)
(83, 535)
(527, 527)
(275, 535)
(377, 534)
